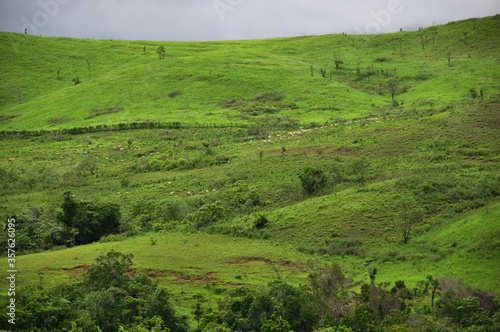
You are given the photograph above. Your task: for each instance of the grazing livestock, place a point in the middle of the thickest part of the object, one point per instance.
(11, 159)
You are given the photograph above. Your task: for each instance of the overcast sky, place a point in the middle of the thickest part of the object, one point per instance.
(191, 20)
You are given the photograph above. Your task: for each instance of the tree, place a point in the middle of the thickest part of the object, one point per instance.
(313, 179)
(209, 214)
(69, 209)
(392, 87)
(109, 270)
(410, 216)
(338, 60)
(330, 285)
(360, 166)
(94, 220)
(89, 165)
(275, 324)
(198, 312)
(161, 52)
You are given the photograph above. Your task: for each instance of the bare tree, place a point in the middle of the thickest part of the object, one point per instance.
(411, 214)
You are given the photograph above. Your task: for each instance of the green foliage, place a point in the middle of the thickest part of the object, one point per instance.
(90, 220)
(76, 80)
(438, 148)
(312, 179)
(275, 324)
(109, 271)
(209, 214)
(161, 52)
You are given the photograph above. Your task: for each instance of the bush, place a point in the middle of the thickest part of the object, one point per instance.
(209, 214)
(313, 180)
(260, 221)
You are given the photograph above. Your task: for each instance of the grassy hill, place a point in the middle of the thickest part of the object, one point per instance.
(238, 124)
(220, 82)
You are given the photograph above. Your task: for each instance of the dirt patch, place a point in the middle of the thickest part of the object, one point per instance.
(290, 265)
(244, 260)
(205, 279)
(241, 261)
(77, 270)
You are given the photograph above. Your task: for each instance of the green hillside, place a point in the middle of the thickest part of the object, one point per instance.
(227, 166)
(220, 81)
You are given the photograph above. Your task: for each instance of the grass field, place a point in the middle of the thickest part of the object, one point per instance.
(237, 124)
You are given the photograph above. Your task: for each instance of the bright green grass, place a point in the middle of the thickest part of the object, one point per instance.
(186, 264)
(440, 134)
(206, 73)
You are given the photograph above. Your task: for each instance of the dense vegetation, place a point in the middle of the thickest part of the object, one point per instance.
(328, 183)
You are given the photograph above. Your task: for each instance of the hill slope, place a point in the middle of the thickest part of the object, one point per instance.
(233, 163)
(222, 81)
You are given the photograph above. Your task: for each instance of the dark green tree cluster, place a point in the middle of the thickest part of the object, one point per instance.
(88, 221)
(107, 299)
(329, 304)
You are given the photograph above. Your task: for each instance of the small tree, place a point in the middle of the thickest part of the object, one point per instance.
(411, 214)
(337, 59)
(161, 52)
(360, 166)
(109, 271)
(313, 180)
(392, 87)
(198, 313)
(89, 165)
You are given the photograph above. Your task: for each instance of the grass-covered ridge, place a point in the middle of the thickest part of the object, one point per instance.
(231, 164)
(222, 81)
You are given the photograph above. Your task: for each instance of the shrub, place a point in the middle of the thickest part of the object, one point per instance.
(209, 214)
(174, 94)
(313, 180)
(260, 221)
